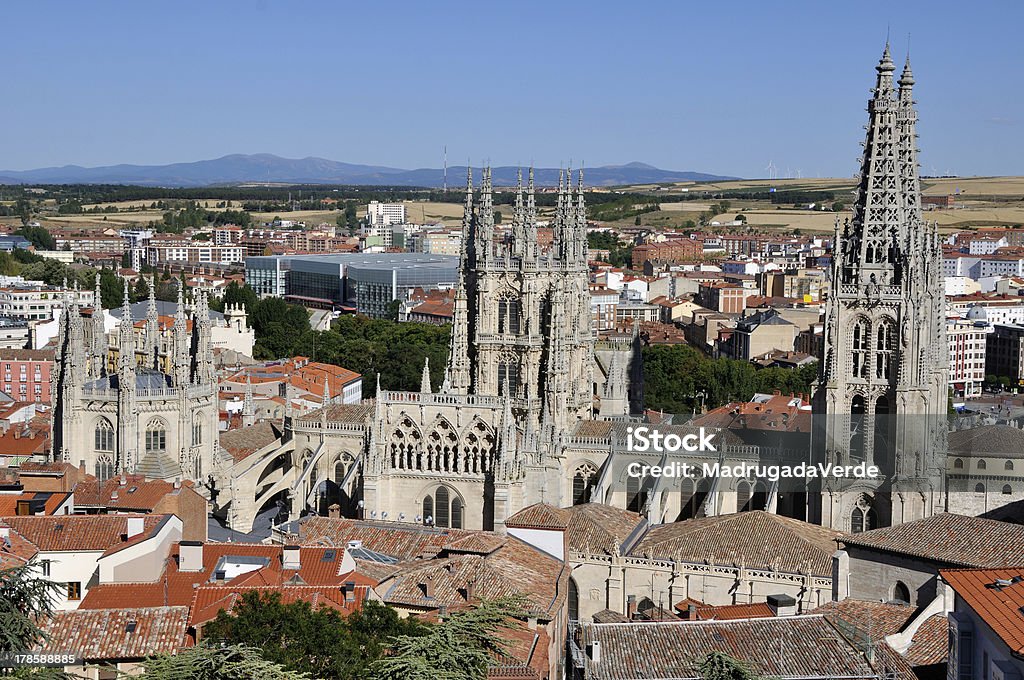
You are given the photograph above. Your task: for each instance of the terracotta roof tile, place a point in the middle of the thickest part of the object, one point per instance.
(997, 604)
(131, 492)
(346, 413)
(102, 634)
(401, 540)
(245, 441)
(106, 533)
(539, 516)
(947, 538)
(600, 528)
(756, 539)
(813, 648)
(49, 500)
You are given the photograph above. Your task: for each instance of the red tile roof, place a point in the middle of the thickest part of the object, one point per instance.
(51, 501)
(102, 634)
(756, 539)
(994, 598)
(947, 538)
(539, 516)
(83, 533)
(128, 492)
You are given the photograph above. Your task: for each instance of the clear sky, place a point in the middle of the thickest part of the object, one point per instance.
(721, 87)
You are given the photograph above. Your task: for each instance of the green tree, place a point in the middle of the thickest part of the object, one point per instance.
(208, 662)
(317, 641)
(460, 648)
(741, 218)
(38, 237)
(838, 206)
(26, 601)
(497, 217)
(721, 666)
(637, 221)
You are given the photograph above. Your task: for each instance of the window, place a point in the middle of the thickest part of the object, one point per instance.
(982, 465)
(197, 431)
(884, 343)
(45, 565)
(958, 464)
(104, 468)
(156, 437)
(508, 315)
(448, 507)
(1008, 465)
(104, 435)
(901, 593)
(636, 498)
(1007, 490)
(428, 510)
(508, 372)
(860, 349)
(74, 590)
(980, 488)
(574, 601)
(583, 483)
(863, 516)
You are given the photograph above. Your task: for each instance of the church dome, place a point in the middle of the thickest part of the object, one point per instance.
(977, 313)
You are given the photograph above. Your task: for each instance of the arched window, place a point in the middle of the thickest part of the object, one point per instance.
(858, 425)
(1008, 465)
(339, 472)
(583, 483)
(982, 464)
(958, 464)
(885, 343)
(901, 593)
(1007, 490)
(104, 467)
(445, 507)
(156, 436)
(442, 517)
(428, 509)
(979, 488)
(743, 496)
(863, 516)
(197, 431)
(859, 345)
(198, 468)
(574, 601)
(508, 314)
(456, 513)
(104, 435)
(636, 499)
(508, 372)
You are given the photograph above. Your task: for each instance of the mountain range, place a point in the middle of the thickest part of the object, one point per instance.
(247, 168)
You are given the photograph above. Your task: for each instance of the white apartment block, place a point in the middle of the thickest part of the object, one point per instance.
(196, 252)
(966, 357)
(385, 214)
(39, 301)
(961, 285)
(961, 265)
(1002, 265)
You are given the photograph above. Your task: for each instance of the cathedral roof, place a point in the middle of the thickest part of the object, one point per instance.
(1003, 440)
(344, 413)
(881, 619)
(755, 539)
(950, 539)
(539, 516)
(600, 528)
(245, 441)
(145, 379)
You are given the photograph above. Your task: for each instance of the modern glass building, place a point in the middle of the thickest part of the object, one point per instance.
(366, 281)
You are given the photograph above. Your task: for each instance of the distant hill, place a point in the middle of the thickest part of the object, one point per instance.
(240, 168)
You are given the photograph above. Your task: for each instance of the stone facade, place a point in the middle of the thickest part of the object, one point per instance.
(882, 395)
(134, 403)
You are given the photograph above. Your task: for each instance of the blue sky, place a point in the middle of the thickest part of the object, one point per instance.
(721, 87)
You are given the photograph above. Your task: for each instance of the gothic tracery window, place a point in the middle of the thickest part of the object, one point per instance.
(508, 373)
(197, 430)
(446, 508)
(104, 435)
(156, 436)
(863, 516)
(104, 467)
(583, 483)
(859, 346)
(508, 313)
(885, 343)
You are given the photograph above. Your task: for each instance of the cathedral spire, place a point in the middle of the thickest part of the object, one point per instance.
(180, 342)
(485, 229)
(518, 245)
(530, 217)
(126, 336)
(248, 404)
(425, 378)
(98, 350)
(152, 339)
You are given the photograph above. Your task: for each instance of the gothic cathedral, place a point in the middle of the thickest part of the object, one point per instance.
(882, 391)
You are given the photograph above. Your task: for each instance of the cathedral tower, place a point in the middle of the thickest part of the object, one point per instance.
(882, 391)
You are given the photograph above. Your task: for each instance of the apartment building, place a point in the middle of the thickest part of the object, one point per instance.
(25, 374)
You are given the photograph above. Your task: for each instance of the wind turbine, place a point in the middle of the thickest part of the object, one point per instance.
(771, 170)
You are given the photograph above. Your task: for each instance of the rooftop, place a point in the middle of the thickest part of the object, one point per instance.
(949, 539)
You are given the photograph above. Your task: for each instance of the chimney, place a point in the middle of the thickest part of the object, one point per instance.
(631, 607)
(428, 586)
(350, 591)
(290, 558)
(177, 482)
(17, 434)
(190, 556)
(136, 525)
(470, 590)
(782, 605)
(595, 651)
(691, 612)
(334, 511)
(124, 479)
(81, 467)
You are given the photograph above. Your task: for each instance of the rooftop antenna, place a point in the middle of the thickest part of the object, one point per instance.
(445, 153)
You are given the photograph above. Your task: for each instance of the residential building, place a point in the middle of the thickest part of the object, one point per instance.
(25, 374)
(986, 634)
(1004, 352)
(758, 334)
(967, 350)
(385, 214)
